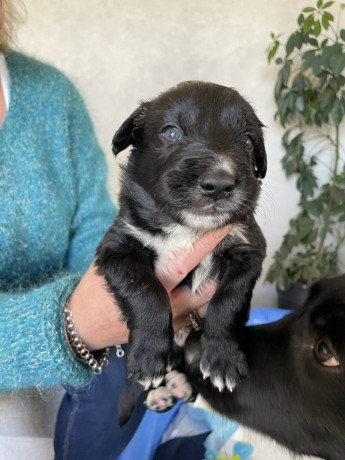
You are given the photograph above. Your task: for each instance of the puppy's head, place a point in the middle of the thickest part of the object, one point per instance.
(199, 152)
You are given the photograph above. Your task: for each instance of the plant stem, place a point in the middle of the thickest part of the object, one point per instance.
(336, 146)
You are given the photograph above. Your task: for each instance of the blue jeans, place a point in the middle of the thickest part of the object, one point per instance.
(87, 423)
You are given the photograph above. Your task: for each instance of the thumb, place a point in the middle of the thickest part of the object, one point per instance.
(172, 270)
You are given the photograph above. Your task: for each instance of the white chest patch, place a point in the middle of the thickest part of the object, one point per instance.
(176, 237)
(180, 237)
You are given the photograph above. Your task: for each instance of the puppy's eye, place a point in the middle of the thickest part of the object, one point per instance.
(171, 134)
(324, 355)
(249, 143)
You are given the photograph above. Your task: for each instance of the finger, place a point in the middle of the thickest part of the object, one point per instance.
(175, 268)
(184, 301)
(184, 320)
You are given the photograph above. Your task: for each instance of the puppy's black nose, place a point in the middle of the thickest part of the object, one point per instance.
(217, 185)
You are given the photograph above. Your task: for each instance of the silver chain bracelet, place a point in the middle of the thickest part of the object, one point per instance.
(79, 348)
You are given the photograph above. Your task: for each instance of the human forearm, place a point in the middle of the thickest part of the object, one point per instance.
(33, 348)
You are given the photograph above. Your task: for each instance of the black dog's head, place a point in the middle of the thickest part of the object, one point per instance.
(295, 391)
(198, 152)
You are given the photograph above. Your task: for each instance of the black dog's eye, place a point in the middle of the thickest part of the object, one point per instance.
(171, 134)
(249, 143)
(324, 355)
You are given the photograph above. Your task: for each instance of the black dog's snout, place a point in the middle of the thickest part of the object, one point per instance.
(217, 185)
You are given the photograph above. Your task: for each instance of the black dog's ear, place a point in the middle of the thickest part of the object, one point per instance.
(126, 134)
(260, 159)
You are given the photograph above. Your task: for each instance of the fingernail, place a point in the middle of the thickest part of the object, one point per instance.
(221, 232)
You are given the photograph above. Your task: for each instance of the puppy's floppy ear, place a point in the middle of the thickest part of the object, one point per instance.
(260, 159)
(126, 134)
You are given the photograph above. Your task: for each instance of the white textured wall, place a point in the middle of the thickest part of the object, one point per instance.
(120, 52)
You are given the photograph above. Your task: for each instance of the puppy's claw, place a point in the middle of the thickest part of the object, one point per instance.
(230, 385)
(145, 383)
(205, 372)
(169, 368)
(218, 383)
(157, 381)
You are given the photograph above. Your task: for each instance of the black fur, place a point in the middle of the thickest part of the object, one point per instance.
(289, 394)
(206, 178)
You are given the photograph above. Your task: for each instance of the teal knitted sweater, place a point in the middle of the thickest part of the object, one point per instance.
(54, 210)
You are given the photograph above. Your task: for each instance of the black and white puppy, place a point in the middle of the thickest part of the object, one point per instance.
(197, 159)
(295, 392)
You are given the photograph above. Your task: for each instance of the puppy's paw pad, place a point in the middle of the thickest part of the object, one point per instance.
(160, 400)
(178, 385)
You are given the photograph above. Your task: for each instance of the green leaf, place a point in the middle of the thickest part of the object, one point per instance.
(342, 34)
(300, 19)
(337, 112)
(308, 9)
(306, 222)
(322, 80)
(272, 51)
(326, 100)
(314, 207)
(299, 40)
(328, 51)
(319, 3)
(343, 97)
(308, 57)
(325, 23)
(334, 84)
(300, 104)
(337, 194)
(312, 236)
(286, 70)
(308, 24)
(313, 42)
(306, 183)
(317, 28)
(327, 5)
(326, 229)
(337, 64)
(329, 16)
(290, 44)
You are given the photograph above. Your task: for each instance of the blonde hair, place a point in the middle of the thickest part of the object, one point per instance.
(13, 12)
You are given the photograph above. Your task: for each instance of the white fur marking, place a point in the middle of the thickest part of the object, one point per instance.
(181, 237)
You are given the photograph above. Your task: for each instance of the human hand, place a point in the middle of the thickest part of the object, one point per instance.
(99, 320)
(175, 268)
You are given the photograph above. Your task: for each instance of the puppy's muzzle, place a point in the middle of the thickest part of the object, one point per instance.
(217, 184)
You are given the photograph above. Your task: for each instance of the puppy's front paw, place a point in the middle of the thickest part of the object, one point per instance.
(163, 398)
(147, 362)
(160, 400)
(224, 364)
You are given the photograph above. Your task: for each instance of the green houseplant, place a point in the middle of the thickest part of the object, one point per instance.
(310, 100)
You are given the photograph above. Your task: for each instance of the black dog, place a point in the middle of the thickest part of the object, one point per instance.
(196, 165)
(295, 392)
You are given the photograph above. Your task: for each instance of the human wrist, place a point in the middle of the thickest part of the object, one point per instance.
(96, 360)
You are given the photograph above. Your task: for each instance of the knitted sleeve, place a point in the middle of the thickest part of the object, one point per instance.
(95, 212)
(33, 348)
